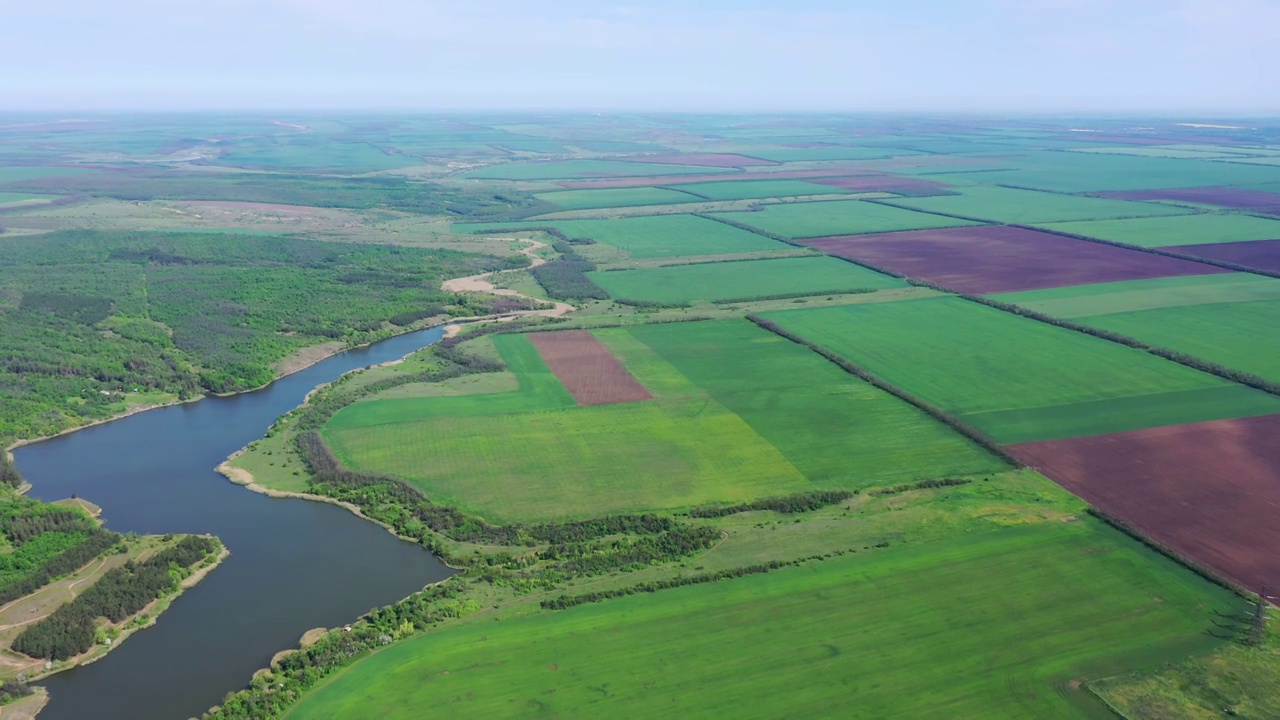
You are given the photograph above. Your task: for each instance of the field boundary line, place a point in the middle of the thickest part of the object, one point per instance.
(867, 376)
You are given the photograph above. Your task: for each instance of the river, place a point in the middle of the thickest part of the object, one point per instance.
(294, 564)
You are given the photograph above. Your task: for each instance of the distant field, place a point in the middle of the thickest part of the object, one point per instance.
(655, 236)
(301, 155)
(838, 217)
(1080, 301)
(1260, 254)
(724, 160)
(1010, 205)
(739, 280)
(1017, 379)
(570, 169)
(20, 199)
(895, 633)
(1226, 322)
(1227, 197)
(620, 197)
(833, 152)
(887, 183)
(1093, 172)
(1173, 231)
(28, 172)
(999, 258)
(750, 189)
(714, 431)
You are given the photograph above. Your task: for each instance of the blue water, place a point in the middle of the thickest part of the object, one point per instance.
(294, 564)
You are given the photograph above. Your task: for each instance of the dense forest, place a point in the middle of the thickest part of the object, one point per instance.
(121, 592)
(41, 542)
(94, 317)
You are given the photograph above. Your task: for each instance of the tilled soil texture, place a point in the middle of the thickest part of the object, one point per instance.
(914, 187)
(627, 182)
(591, 374)
(1260, 254)
(1208, 491)
(1236, 198)
(995, 259)
(703, 159)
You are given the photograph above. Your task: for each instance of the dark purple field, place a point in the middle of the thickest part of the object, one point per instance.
(1235, 198)
(996, 258)
(1260, 254)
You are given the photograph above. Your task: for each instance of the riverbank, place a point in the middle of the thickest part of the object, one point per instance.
(37, 606)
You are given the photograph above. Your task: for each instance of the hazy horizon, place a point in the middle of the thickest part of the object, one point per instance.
(1203, 57)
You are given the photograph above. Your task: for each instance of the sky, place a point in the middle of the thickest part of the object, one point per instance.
(1124, 56)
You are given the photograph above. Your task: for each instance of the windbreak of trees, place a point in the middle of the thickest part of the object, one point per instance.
(922, 485)
(565, 277)
(799, 502)
(70, 630)
(9, 474)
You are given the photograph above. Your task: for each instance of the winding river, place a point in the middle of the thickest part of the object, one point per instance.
(294, 564)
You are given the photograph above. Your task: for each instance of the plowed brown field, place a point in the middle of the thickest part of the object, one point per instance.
(1260, 254)
(1238, 198)
(591, 374)
(997, 258)
(1208, 491)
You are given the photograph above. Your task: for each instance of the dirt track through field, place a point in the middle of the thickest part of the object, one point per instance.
(1208, 491)
(997, 258)
(586, 368)
(481, 284)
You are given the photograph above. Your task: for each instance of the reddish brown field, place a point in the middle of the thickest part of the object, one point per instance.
(1236, 198)
(997, 258)
(888, 183)
(626, 182)
(1260, 254)
(703, 159)
(1208, 491)
(591, 374)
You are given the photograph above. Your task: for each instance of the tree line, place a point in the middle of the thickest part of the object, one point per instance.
(565, 277)
(796, 503)
(119, 593)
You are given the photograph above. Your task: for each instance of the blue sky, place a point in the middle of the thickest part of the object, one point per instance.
(898, 55)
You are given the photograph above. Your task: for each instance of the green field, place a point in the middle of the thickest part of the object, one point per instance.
(1016, 379)
(762, 425)
(1011, 205)
(585, 169)
(1080, 301)
(752, 189)
(833, 152)
(615, 197)
(838, 217)
(304, 154)
(17, 199)
(1171, 231)
(740, 280)
(1223, 319)
(998, 625)
(1093, 172)
(655, 236)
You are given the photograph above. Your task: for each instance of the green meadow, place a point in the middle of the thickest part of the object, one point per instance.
(997, 625)
(1221, 318)
(656, 236)
(839, 217)
(714, 432)
(1011, 205)
(1017, 379)
(584, 168)
(1172, 231)
(741, 279)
